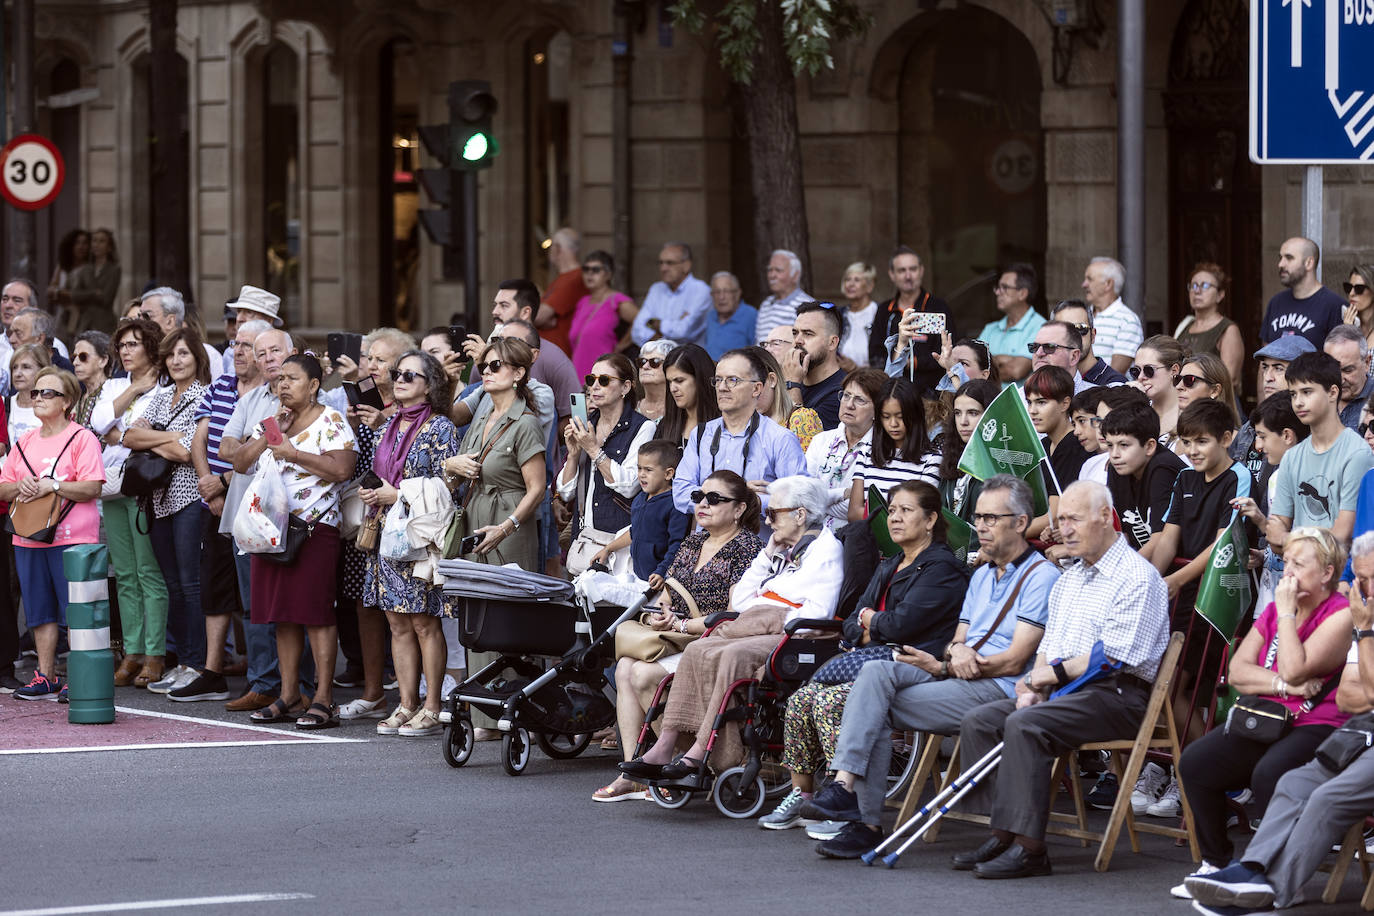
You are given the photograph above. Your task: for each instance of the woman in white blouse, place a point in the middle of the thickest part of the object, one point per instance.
(834, 455)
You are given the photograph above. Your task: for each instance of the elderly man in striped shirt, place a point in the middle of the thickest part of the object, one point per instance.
(1111, 595)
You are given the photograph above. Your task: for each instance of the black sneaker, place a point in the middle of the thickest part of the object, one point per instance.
(1103, 794)
(832, 803)
(348, 678)
(208, 686)
(9, 683)
(853, 840)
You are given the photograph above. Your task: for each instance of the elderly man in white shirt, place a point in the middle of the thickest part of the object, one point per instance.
(677, 305)
(1119, 332)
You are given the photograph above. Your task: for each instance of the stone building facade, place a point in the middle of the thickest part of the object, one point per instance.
(973, 130)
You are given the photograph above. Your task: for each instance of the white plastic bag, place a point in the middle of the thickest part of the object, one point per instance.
(260, 526)
(394, 544)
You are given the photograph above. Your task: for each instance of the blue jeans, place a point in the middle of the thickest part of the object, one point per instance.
(263, 675)
(176, 544)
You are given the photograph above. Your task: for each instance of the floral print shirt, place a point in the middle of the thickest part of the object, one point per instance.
(309, 498)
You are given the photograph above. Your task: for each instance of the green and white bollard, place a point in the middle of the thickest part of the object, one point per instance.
(90, 666)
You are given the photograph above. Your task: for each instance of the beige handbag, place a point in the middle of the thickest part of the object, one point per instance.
(636, 639)
(588, 543)
(369, 532)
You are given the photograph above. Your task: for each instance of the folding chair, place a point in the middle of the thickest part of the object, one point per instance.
(1158, 732)
(1352, 848)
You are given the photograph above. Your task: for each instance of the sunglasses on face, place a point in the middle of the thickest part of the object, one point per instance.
(1050, 348)
(81, 357)
(1358, 289)
(772, 514)
(712, 498)
(650, 363)
(593, 269)
(408, 376)
(1142, 371)
(1189, 380)
(604, 381)
(46, 394)
(493, 367)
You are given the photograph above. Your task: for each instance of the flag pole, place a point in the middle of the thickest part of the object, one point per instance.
(1058, 490)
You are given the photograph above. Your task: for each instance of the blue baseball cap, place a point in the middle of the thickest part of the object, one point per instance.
(1287, 348)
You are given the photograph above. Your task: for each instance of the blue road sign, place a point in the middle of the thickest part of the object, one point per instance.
(1311, 81)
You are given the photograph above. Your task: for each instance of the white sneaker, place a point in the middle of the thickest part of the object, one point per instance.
(175, 679)
(1153, 779)
(1181, 891)
(1168, 804)
(449, 686)
(363, 709)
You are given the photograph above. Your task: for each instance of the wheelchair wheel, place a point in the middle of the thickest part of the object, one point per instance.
(736, 799)
(515, 751)
(906, 752)
(458, 740)
(563, 747)
(671, 799)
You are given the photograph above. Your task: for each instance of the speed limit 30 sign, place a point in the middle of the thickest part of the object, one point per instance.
(31, 172)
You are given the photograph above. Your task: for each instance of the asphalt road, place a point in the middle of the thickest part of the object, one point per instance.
(386, 826)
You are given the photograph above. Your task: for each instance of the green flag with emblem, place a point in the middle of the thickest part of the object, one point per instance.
(960, 537)
(1223, 597)
(1005, 442)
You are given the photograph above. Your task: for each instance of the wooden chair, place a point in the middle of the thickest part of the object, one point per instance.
(1158, 732)
(1352, 848)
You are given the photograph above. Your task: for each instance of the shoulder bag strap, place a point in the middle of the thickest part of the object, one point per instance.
(1330, 685)
(686, 596)
(1006, 608)
(483, 456)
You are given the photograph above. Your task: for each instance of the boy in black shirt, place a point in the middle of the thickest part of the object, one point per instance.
(1140, 474)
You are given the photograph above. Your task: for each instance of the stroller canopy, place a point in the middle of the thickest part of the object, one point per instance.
(479, 580)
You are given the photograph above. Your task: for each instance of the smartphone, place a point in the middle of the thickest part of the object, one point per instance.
(334, 344)
(579, 405)
(353, 347)
(469, 543)
(456, 335)
(370, 481)
(928, 323)
(271, 431)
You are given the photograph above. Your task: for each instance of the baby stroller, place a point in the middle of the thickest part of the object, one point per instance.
(529, 619)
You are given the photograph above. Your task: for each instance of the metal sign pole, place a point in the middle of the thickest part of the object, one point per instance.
(1312, 207)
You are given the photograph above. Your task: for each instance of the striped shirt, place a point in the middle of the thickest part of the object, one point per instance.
(218, 404)
(897, 471)
(775, 312)
(1121, 601)
(1118, 331)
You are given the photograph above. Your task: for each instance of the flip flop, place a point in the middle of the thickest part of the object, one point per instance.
(277, 712)
(313, 720)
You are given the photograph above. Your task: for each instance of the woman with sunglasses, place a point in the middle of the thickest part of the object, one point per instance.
(691, 396)
(414, 444)
(1207, 330)
(91, 362)
(601, 474)
(795, 577)
(653, 379)
(166, 429)
(1359, 289)
(61, 457)
(706, 566)
(1157, 364)
(142, 590)
(1204, 375)
(594, 320)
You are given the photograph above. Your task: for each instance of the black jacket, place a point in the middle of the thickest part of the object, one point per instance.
(923, 601)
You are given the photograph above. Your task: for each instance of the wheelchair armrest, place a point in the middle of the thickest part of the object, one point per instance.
(829, 625)
(719, 617)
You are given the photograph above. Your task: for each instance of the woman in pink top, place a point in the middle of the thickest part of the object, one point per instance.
(59, 457)
(594, 322)
(1294, 655)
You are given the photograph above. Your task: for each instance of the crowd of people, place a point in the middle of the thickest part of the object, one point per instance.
(734, 458)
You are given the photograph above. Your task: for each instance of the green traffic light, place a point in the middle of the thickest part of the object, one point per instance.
(476, 147)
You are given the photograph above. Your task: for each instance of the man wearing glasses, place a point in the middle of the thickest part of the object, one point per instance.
(1346, 344)
(1094, 369)
(677, 305)
(1007, 337)
(1058, 343)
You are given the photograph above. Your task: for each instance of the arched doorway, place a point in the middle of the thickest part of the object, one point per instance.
(971, 187)
(1214, 189)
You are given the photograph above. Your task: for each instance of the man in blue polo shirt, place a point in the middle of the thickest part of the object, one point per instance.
(731, 326)
(1007, 337)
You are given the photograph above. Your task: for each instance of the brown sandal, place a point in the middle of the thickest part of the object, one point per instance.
(150, 672)
(128, 670)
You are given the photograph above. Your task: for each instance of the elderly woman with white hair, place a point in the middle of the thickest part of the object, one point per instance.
(795, 577)
(857, 285)
(653, 377)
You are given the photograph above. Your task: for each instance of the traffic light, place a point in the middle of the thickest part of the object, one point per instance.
(444, 188)
(471, 105)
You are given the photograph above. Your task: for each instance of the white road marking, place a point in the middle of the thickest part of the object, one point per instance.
(160, 747)
(298, 735)
(158, 904)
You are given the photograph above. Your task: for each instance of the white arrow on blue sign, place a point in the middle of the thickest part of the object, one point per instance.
(1309, 103)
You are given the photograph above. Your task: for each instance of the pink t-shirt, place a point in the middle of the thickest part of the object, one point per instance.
(80, 461)
(1326, 712)
(593, 330)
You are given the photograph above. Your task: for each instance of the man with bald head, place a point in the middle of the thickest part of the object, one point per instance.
(564, 291)
(1112, 595)
(1303, 306)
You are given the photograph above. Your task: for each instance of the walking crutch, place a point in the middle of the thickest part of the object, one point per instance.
(958, 789)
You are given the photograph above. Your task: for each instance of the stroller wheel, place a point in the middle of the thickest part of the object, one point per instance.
(737, 799)
(563, 747)
(458, 740)
(515, 751)
(669, 798)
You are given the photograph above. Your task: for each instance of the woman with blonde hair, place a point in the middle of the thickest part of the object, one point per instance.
(857, 285)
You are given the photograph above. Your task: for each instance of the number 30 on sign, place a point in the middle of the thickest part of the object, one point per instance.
(31, 172)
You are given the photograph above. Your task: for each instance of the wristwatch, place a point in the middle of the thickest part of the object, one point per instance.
(1362, 634)
(55, 484)
(796, 385)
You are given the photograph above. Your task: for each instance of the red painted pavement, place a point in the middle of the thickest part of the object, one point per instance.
(40, 724)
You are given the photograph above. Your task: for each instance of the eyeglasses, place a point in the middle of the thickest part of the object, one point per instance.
(603, 380)
(990, 518)
(46, 394)
(1189, 380)
(1358, 289)
(712, 498)
(1363, 428)
(1144, 370)
(593, 269)
(494, 366)
(650, 362)
(772, 513)
(730, 382)
(81, 357)
(777, 344)
(133, 344)
(1003, 289)
(1201, 286)
(408, 375)
(857, 400)
(1050, 348)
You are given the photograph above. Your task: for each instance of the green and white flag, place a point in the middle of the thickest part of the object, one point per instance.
(1005, 440)
(959, 537)
(1223, 597)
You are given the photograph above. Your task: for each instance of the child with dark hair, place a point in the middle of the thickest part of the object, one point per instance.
(901, 449)
(1141, 475)
(656, 526)
(1049, 392)
(1083, 416)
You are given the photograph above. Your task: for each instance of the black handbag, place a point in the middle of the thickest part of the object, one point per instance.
(1347, 742)
(296, 533)
(845, 667)
(1266, 721)
(146, 472)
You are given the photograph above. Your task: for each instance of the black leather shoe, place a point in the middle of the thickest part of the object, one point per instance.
(694, 781)
(638, 769)
(991, 849)
(680, 768)
(1016, 862)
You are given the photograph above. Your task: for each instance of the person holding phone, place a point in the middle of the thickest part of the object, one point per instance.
(414, 444)
(601, 474)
